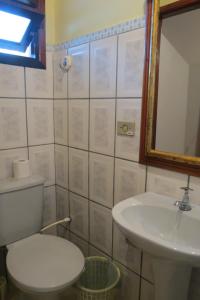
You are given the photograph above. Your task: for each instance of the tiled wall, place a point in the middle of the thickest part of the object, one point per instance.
(94, 168)
(27, 126)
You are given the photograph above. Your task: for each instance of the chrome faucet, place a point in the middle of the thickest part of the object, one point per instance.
(184, 204)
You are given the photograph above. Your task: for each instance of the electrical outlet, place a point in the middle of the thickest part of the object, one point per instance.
(126, 128)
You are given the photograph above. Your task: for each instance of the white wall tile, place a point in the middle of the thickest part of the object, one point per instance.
(62, 203)
(130, 284)
(61, 122)
(12, 81)
(101, 227)
(125, 253)
(130, 179)
(49, 210)
(102, 126)
(49, 213)
(12, 123)
(78, 171)
(147, 268)
(103, 68)
(6, 160)
(42, 162)
(60, 77)
(39, 83)
(61, 160)
(131, 63)
(101, 179)
(96, 252)
(147, 291)
(129, 111)
(63, 232)
(78, 123)
(79, 215)
(81, 244)
(195, 186)
(40, 122)
(79, 73)
(166, 182)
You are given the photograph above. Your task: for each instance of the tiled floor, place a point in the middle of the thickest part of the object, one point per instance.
(70, 294)
(14, 294)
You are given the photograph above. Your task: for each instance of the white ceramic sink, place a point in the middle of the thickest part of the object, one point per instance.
(151, 222)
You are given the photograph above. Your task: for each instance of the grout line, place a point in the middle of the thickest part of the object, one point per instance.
(86, 98)
(70, 147)
(106, 98)
(53, 78)
(92, 201)
(89, 116)
(147, 280)
(87, 198)
(26, 108)
(140, 284)
(15, 148)
(23, 98)
(40, 145)
(68, 162)
(115, 139)
(100, 153)
(39, 99)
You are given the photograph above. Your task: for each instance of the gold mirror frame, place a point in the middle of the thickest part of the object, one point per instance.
(148, 155)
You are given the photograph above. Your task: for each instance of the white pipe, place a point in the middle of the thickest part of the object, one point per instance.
(65, 220)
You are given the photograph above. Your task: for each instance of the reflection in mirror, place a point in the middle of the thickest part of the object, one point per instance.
(178, 103)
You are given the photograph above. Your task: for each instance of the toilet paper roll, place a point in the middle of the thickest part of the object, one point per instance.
(21, 169)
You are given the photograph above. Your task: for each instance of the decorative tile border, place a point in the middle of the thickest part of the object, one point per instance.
(114, 30)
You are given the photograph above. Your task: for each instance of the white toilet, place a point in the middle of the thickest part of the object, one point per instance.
(39, 265)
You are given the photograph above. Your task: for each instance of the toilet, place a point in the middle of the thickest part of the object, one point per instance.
(41, 266)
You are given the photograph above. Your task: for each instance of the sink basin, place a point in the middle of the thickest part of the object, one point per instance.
(151, 222)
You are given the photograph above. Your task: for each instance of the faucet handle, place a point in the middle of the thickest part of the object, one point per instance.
(186, 189)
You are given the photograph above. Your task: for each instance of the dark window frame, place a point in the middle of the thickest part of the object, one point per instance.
(36, 12)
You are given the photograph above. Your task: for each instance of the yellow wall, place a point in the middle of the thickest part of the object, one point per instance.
(79, 17)
(68, 19)
(50, 22)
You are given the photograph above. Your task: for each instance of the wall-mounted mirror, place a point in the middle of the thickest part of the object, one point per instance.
(170, 135)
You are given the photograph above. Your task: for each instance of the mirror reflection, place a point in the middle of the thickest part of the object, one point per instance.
(178, 102)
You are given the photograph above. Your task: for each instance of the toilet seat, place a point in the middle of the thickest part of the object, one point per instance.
(44, 263)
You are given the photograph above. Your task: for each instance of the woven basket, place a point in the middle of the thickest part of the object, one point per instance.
(99, 280)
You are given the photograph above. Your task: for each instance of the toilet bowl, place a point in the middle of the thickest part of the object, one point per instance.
(43, 266)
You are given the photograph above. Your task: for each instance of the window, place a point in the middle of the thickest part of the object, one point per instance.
(22, 33)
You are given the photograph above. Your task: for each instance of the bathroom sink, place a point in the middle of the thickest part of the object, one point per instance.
(153, 223)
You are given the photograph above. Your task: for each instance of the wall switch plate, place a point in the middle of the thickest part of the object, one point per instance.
(126, 128)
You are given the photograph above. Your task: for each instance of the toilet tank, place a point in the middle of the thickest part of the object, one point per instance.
(21, 208)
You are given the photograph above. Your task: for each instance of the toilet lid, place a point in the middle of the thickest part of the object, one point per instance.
(44, 263)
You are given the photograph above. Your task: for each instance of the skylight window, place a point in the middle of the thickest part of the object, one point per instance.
(12, 27)
(22, 33)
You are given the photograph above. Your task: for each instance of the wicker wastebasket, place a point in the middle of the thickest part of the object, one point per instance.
(99, 280)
